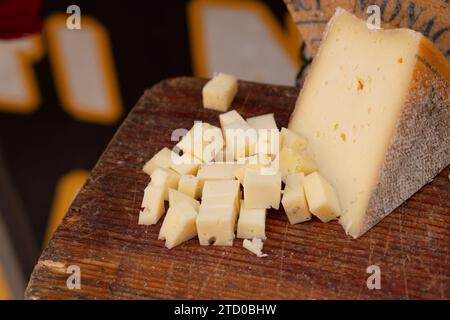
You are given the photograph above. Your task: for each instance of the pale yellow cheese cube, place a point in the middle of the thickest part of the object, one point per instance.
(295, 161)
(220, 188)
(203, 141)
(185, 164)
(321, 197)
(152, 204)
(230, 117)
(251, 223)
(165, 178)
(240, 139)
(219, 92)
(179, 225)
(216, 226)
(176, 197)
(216, 171)
(294, 199)
(262, 191)
(162, 159)
(190, 185)
(265, 121)
(292, 140)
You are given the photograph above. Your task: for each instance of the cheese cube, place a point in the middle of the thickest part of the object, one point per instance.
(216, 226)
(294, 199)
(179, 225)
(203, 141)
(165, 178)
(176, 197)
(262, 191)
(216, 171)
(162, 159)
(219, 92)
(185, 164)
(190, 185)
(295, 161)
(240, 139)
(220, 188)
(251, 223)
(292, 140)
(152, 204)
(375, 112)
(257, 163)
(266, 121)
(230, 117)
(224, 156)
(321, 197)
(255, 246)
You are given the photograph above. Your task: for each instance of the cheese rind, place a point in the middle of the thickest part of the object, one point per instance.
(294, 199)
(374, 110)
(219, 92)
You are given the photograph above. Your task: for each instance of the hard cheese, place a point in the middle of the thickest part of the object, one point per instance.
(375, 111)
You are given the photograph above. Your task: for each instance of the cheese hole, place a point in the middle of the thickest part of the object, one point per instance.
(343, 137)
(360, 85)
(400, 60)
(336, 126)
(369, 110)
(212, 240)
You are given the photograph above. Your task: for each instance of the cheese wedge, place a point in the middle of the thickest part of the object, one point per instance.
(375, 112)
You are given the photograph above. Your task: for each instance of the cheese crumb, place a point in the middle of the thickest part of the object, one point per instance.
(254, 246)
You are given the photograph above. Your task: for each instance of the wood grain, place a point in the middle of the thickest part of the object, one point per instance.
(120, 259)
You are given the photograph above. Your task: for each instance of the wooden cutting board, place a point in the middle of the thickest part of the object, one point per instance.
(119, 259)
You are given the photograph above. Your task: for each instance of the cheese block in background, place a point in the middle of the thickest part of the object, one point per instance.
(375, 112)
(430, 17)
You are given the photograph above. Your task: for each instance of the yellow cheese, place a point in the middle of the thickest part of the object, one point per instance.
(152, 204)
(295, 161)
(251, 223)
(176, 197)
(179, 225)
(216, 171)
(203, 141)
(262, 191)
(219, 92)
(165, 178)
(240, 139)
(321, 197)
(230, 117)
(265, 121)
(375, 112)
(294, 199)
(190, 185)
(220, 188)
(166, 158)
(216, 226)
(292, 140)
(255, 246)
(162, 159)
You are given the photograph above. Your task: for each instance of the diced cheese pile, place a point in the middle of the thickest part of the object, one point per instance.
(226, 178)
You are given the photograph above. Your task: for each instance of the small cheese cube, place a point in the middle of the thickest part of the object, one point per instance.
(179, 225)
(251, 223)
(216, 171)
(295, 161)
(256, 163)
(321, 197)
(220, 188)
(203, 141)
(293, 140)
(152, 204)
(255, 246)
(216, 225)
(230, 117)
(262, 191)
(240, 139)
(162, 159)
(176, 197)
(190, 185)
(185, 164)
(165, 178)
(219, 92)
(266, 121)
(294, 199)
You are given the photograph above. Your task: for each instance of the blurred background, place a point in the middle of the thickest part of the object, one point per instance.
(64, 92)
